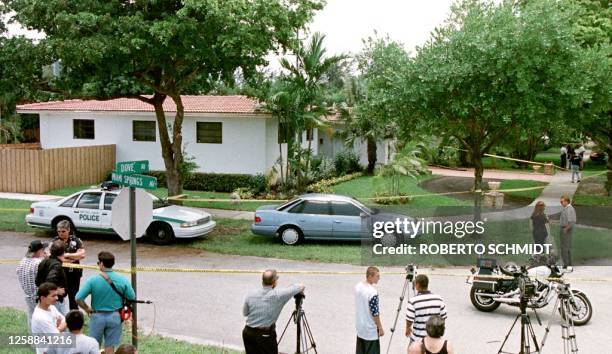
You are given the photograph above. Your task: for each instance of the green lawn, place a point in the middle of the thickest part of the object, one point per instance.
(235, 237)
(591, 191)
(528, 195)
(12, 215)
(14, 322)
(422, 202)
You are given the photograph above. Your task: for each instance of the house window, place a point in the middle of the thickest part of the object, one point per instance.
(282, 133)
(83, 128)
(209, 133)
(309, 134)
(143, 130)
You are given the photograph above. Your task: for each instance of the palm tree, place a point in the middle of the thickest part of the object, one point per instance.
(299, 102)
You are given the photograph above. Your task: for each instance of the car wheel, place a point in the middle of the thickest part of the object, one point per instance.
(57, 220)
(160, 234)
(391, 240)
(291, 235)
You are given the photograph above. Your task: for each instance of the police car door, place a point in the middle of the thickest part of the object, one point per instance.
(87, 212)
(106, 215)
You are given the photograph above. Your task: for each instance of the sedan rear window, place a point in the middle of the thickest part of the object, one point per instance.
(69, 202)
(311, 207)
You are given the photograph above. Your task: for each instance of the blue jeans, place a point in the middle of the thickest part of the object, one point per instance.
(575, 172)
(107, 325)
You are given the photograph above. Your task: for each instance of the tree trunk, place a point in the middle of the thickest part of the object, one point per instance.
(371, 146)
(609, 168)
(478, 172)
(171, 149)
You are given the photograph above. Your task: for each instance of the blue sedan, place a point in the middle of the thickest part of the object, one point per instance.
(320, 217)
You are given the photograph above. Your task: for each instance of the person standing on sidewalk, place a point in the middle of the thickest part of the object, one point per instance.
(73, 253)
(563, 156)
(567, 221)
(26, 273)
(575, 161)
(50, 270)
(367, 314)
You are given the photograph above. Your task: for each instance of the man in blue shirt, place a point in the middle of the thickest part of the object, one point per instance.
(105, 321)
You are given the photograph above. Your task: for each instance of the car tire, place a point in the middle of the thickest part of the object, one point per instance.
(291, 235)
(57, 220)
(160, 233)
(391, 240)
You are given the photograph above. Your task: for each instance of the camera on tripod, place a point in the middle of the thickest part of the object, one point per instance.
(410, 271)
(299, 299)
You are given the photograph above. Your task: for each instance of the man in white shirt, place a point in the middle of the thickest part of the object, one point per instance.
(46, 319)
(367, 314)
(83, 344)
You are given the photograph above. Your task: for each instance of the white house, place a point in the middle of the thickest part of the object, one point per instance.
(225, 134)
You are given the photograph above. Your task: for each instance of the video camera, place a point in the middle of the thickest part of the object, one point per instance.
(527, 287)
(299, 299)
(410, 271)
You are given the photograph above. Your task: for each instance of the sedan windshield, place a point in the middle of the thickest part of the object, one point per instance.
(362, 206)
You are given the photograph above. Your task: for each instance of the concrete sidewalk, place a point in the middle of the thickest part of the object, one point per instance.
(492, 174)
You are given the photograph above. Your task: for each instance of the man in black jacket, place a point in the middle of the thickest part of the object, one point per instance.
(50, 270)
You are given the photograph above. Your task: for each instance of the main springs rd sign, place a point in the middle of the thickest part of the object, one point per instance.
(127, 174)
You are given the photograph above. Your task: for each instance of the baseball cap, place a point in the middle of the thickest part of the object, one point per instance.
(35, 246)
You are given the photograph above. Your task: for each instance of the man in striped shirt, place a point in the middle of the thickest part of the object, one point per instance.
(422, 306)
(26, 274)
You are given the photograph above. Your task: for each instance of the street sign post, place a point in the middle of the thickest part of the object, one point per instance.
(127, 174)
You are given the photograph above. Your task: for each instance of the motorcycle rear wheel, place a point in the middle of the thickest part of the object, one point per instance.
(484, 304)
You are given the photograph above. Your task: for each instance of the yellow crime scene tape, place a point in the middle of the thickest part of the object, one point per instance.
(300, 272)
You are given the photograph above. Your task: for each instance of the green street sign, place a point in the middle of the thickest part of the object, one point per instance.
(134, 180)
(131, 167)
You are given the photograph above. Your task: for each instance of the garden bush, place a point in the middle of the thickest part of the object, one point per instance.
(217, 182)
(346, 162)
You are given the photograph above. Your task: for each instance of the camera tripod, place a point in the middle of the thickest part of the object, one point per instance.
(527, 333)
(564, 306)
(410, 272)
(304, 338)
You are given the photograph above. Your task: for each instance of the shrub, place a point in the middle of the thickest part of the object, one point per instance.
(385, 198)
(216, 182)
(322, 167)
(346, 162)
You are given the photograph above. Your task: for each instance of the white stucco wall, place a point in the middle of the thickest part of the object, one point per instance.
(249, 143)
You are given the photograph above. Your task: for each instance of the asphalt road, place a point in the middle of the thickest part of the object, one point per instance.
(206, 308)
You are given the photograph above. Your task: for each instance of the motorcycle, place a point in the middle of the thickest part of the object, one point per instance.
(493, 285)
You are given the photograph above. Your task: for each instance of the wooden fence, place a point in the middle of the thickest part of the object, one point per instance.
(39, 171)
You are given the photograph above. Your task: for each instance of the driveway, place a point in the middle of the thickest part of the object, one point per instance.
(206, 307)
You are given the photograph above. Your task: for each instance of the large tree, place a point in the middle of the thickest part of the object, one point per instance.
(491, 70)
(153, 50)
(593, 31)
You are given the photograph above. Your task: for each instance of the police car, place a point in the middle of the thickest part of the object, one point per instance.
(90, 211)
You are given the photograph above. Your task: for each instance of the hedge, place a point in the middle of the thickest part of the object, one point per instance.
(213, 182)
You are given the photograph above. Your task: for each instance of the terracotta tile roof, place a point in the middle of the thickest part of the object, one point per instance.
(193, 104)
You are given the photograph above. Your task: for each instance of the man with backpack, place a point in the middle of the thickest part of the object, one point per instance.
(109, 293)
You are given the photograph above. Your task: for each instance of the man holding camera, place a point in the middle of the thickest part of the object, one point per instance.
(367, 314)
(420, 307)
(262, 308)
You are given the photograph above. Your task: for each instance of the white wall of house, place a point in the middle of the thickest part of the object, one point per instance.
(249, 143)
(330, 144)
